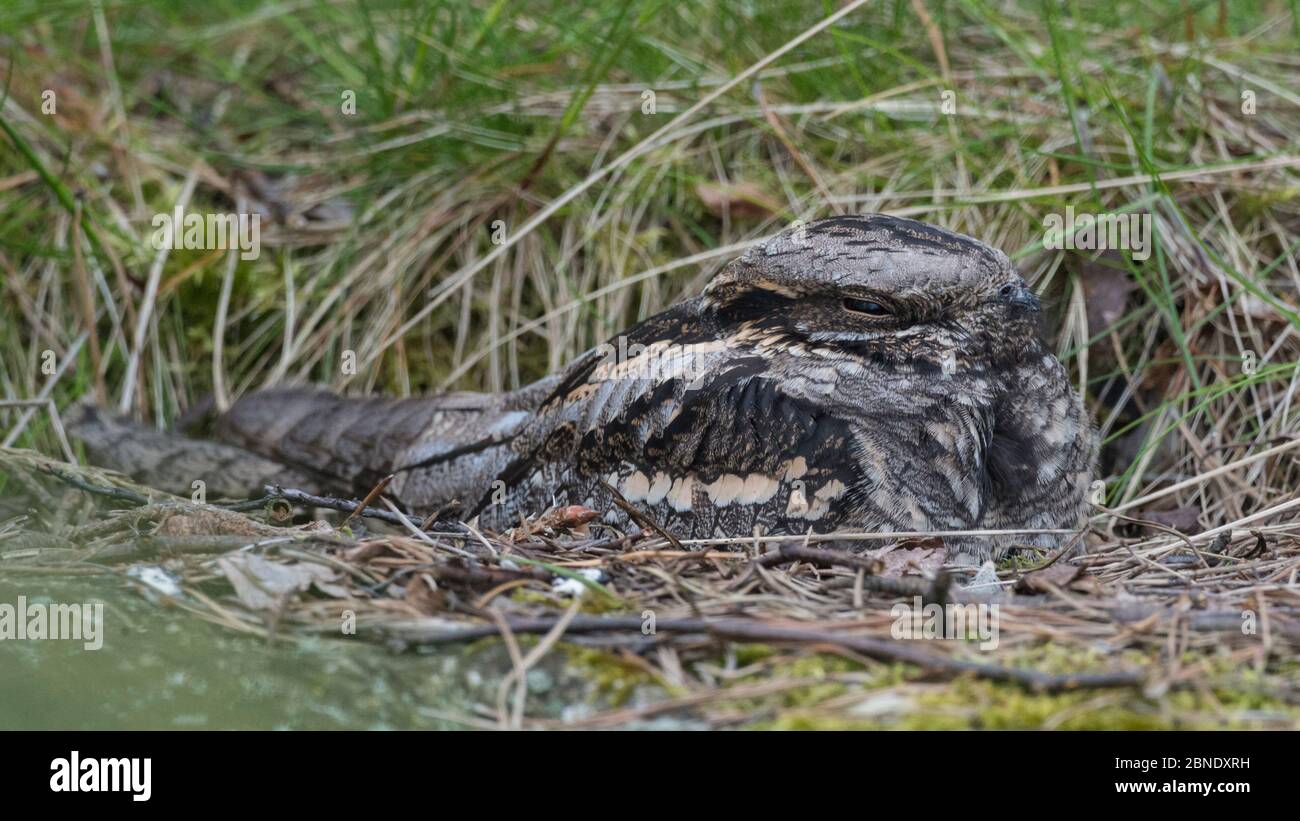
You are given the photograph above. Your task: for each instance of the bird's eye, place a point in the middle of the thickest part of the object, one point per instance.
(866, 306)
(1007, 290)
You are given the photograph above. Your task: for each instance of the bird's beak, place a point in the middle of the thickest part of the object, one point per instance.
(1025, 299)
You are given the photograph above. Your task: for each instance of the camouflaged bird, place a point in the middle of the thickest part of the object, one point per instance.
(859, 373)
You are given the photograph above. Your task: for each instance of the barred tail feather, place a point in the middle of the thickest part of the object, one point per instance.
(442, 447)
(173, 462)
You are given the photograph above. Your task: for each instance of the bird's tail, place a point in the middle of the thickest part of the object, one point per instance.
(177, 463)
(442, 447)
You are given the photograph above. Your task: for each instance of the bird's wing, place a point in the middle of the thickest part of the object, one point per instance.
(690, 429)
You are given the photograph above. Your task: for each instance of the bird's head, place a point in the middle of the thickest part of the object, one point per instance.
(894, 290)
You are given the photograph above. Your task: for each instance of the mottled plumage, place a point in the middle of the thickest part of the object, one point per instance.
(858, 373)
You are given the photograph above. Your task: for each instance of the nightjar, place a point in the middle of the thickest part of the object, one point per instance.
(858, 373)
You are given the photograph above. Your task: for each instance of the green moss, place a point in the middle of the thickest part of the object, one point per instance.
(988, 705)
(1254, 203)
(1020, 560)
(592, 604)
(747, 654)
(613, 680)
(808, 721)
(820, 665)
(969, 703)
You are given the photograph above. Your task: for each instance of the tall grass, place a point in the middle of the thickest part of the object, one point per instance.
(470, 113)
